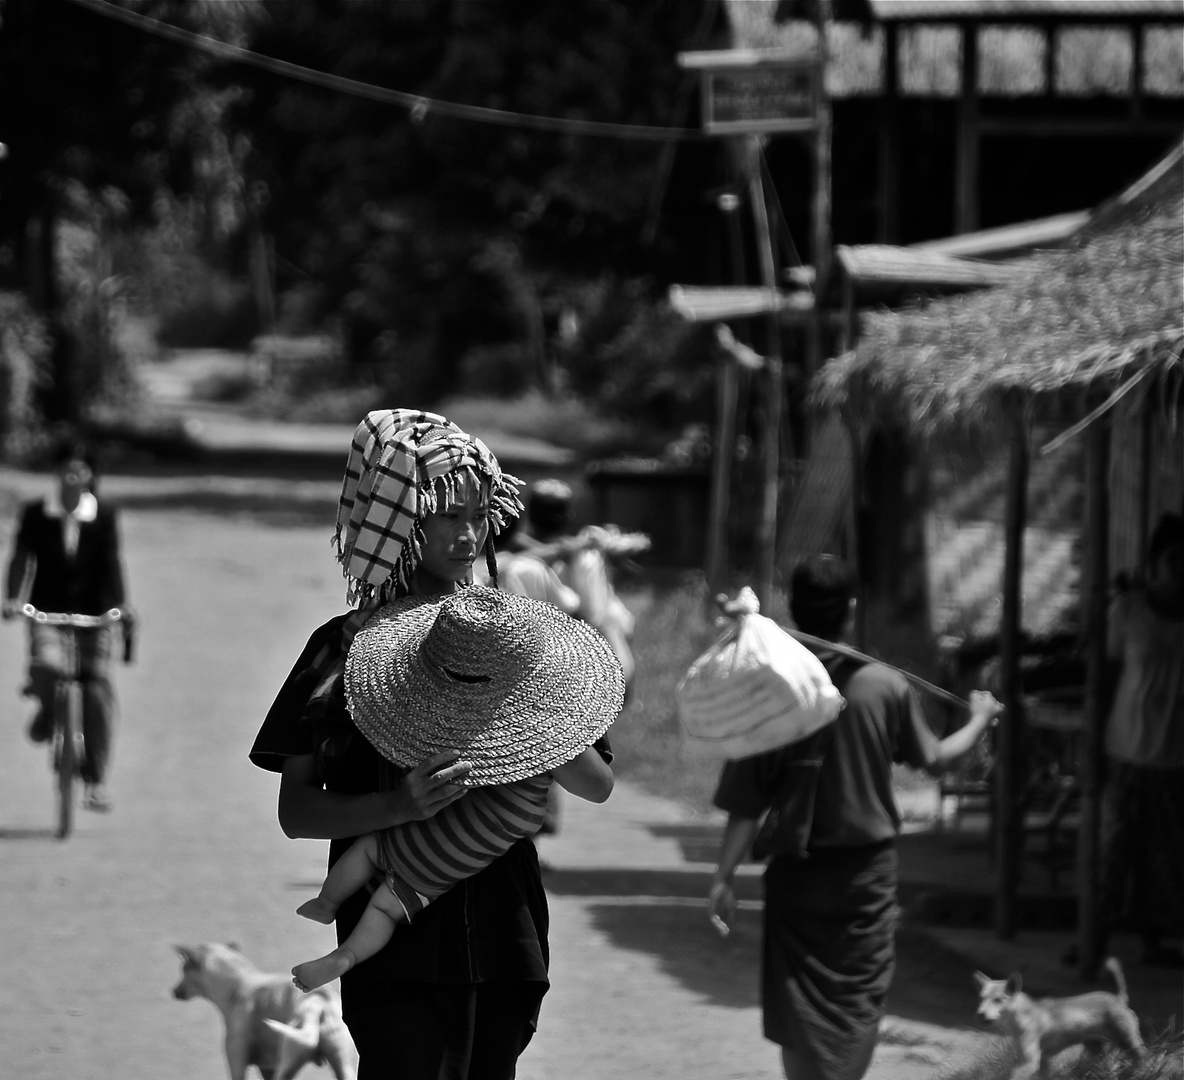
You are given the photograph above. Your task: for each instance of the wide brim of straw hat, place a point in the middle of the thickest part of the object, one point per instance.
(514, 685)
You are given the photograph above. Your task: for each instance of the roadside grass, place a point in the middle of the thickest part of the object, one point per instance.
(674, 625)
(1164, 1060)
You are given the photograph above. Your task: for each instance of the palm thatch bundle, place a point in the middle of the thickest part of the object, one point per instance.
(1077, 323)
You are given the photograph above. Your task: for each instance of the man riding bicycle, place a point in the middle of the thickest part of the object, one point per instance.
(66, 558)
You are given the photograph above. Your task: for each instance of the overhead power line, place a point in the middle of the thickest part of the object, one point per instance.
(418, 107)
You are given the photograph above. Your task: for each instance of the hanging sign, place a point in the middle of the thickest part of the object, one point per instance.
(747, 91)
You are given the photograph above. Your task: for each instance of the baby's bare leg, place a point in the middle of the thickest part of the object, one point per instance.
(347, 875)
(383, 913)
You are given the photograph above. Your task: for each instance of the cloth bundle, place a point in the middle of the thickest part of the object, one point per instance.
(756, 688)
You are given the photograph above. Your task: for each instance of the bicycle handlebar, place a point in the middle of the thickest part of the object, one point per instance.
(88, 622)
(66, 618)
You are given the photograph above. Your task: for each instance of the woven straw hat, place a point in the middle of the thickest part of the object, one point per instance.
(514, 685)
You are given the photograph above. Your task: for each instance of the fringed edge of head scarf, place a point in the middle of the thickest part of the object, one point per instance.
(394, 477)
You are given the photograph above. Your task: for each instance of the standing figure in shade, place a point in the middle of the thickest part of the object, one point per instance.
(66, 558)
(1142, 827)
(828, 952)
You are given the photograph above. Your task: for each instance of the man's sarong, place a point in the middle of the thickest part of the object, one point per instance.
(829, 954)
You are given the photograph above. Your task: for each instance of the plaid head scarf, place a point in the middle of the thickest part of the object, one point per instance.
(401, 464)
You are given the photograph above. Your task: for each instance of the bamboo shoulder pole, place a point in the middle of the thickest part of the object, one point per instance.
(721, 471)
(1097, 544)
(1009, 762)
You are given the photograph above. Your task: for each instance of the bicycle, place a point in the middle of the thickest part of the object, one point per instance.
(67, 741)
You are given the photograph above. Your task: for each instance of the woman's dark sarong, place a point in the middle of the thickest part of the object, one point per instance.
(829, 954)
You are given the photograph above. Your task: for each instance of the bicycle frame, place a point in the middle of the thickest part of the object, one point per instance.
(68, 744)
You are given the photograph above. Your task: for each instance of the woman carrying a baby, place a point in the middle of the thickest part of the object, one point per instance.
(419, 734)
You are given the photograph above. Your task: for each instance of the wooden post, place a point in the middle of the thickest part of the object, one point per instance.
(854, 553)
(1050, 59)
(1136, 31)
(1097, 468)
(821, 245)
(1146, 440)
(726, 392)
(822, 166)
(966, 208)
(889, 193)
(1010, 755)
(767, 526)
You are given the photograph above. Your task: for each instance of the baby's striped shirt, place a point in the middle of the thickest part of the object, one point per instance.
(424, 859)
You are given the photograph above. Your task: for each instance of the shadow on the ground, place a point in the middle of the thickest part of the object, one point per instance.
(661, 913)
(932, 983)
(27, 834)
(698, 843)
(623, 881)
(724, 971)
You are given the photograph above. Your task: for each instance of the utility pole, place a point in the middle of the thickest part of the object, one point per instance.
(755, 93)
(775, 385)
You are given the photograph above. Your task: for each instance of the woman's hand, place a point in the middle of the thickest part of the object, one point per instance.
(431, 786)
(984, 705)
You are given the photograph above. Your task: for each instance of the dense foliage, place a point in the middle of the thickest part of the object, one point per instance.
(454, 246)
(97, 119)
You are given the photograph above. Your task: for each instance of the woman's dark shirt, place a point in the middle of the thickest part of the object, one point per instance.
(490, 927)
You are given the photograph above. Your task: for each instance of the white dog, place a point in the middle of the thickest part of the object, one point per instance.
(269, 1023)
(1042, 1027)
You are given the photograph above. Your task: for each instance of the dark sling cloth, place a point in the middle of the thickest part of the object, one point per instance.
(829, 954)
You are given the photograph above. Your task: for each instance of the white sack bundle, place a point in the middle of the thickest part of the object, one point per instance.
(756, 688)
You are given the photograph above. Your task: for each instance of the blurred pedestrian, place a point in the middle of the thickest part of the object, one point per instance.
(1142, 871)
(550, 561)
(580, 562)
(526, 569)
(828, 952)
(66, 558)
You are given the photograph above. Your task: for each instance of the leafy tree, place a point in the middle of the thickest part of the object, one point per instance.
(436, 236)
(91, 115)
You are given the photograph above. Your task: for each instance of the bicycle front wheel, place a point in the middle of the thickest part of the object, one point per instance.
(67, 756)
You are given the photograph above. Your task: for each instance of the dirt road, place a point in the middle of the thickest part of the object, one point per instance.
(192, 853)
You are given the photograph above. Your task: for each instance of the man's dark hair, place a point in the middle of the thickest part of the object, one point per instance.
(820, 595)
(1168, 533)
(75, 448)
(548, 508)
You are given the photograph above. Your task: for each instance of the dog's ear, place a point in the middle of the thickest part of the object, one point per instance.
(1014, 983)
(982, 980)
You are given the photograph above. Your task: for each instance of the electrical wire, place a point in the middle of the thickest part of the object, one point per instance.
(418, 106)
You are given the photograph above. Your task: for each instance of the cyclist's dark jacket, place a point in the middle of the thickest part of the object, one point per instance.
(90, 582)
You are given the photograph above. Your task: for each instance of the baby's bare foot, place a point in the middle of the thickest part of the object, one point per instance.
(318, 910)
(314, 973)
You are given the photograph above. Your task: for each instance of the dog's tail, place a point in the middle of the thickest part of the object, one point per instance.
(1115, 970)
(308, 1032)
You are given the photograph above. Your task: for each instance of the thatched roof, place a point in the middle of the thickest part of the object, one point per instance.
(1079, 321)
